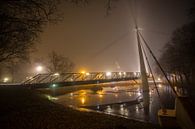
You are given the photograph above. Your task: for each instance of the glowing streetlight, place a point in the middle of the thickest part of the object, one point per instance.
(6, 79)
(39, 69)
(83, 71)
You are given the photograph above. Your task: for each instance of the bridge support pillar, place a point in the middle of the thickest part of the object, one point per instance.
(145, 86)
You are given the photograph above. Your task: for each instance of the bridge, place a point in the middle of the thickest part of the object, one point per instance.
(48, 80)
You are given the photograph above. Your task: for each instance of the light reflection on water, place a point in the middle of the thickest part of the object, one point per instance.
(118, 100)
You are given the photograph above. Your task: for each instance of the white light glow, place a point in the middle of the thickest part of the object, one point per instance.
(83, 71)
(39, 68)
(159, 85)
(87, 74)
(6, 79)
(108, 73)
(138, 93)
(54, 85)
(56, 74)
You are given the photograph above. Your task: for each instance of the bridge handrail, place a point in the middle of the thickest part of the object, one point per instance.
(70, 77)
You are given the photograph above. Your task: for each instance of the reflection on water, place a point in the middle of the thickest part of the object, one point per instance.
(83, 99)
(125, 101)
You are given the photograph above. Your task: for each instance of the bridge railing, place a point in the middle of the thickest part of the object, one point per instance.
(75, 77)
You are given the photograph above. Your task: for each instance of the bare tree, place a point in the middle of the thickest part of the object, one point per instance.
(20, 24)
(59, 63)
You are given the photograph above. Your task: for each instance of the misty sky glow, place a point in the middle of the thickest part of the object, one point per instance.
(96, 42)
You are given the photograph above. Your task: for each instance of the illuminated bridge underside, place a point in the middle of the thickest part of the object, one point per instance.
(67, 79)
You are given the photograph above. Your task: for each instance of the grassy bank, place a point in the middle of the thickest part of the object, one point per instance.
(24, 109)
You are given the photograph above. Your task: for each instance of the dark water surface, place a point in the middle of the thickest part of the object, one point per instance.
(125, 101)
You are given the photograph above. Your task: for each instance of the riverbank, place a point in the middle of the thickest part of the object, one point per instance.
(25, 109)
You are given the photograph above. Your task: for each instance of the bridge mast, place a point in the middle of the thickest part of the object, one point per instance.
(145, 86)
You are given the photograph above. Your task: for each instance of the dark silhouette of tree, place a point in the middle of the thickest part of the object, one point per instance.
(179, 56)
(58, 63)
(192, 12)
(20, 24)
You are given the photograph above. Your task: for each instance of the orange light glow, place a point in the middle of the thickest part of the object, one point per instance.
(83, 100)
(100, 93)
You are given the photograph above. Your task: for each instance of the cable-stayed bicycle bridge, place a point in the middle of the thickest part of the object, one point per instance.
(66, 79)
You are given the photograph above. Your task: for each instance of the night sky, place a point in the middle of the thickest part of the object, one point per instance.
(96, 42)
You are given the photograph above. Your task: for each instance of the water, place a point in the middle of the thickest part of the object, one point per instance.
(124, 101)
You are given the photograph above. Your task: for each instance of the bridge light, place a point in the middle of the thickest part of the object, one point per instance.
(158, 79)
(120, 73)
(134, 73)
(124, 73)
(108, 73)
(56, 74)
(87, 74)
(31, 78)
(83, 72)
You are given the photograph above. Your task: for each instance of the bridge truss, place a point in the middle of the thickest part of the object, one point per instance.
(64, 79)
